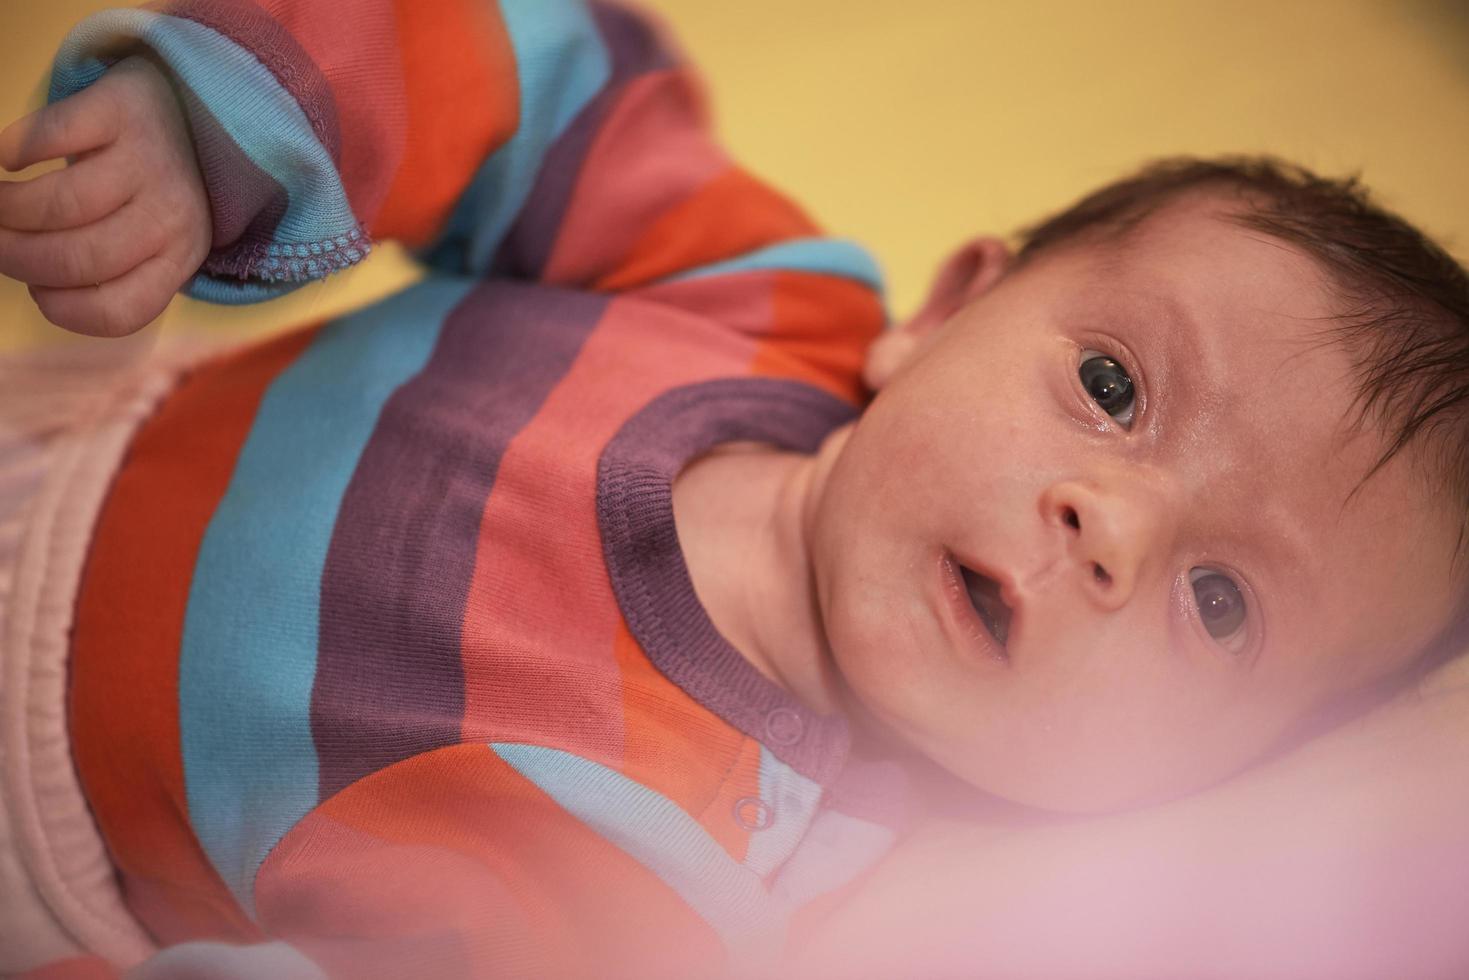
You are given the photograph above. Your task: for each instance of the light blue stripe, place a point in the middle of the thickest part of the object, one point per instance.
(662, 837)
(562, 64)
(792, 799)
(248, 658)
(260, 117)
(837, 849)
(827, 256)
(236, 292)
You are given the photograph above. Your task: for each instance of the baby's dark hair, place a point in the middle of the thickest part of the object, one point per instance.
(1403, 300)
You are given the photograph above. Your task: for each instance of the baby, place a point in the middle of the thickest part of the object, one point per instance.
(560, 615)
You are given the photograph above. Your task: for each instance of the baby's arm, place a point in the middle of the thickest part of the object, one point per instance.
(536, 139)
(105, 243)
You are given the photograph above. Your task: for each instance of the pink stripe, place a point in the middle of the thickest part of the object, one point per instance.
(652, 153)
(355, 44)
(744, 303)
(540, 616)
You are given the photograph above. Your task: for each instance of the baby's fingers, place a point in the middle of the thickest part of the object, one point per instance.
(68, 198)
(75, 125)
(81, 256)
(113, 309)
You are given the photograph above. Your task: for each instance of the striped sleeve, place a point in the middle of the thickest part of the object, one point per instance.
(550, 140)
(495, 861)
(514, 860)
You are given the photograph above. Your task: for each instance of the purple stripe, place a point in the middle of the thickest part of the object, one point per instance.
(250, 27)
(246, 204)
(647, 569)
(389, 678)
(634, 49)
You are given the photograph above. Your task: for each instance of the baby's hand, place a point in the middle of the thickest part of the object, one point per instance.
(105, 242)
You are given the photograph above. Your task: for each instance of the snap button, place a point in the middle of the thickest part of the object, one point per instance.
(784, 726)
(753, 813)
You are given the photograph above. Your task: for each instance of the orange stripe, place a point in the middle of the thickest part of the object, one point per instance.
(820, 329)
(527, 889)
(682, 749)
(463, 103)
(741, 781)
(129, 625)
(732, 214)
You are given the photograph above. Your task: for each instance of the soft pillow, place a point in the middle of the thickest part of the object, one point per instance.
(1346, 858)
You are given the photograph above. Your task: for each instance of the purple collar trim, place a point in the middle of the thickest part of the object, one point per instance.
(647, 569)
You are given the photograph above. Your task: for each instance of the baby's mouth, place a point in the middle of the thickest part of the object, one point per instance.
(984, 594)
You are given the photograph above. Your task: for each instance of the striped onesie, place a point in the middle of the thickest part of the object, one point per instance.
(384, 659)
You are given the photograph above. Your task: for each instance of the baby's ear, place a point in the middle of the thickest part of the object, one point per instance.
(967, 273)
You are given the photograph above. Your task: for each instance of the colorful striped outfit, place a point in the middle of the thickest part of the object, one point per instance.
(385, 660)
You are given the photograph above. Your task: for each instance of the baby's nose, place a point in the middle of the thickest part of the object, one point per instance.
(1110, 535)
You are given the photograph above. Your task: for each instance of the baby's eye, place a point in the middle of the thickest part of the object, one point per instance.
(1108, 384)
(1221, 606)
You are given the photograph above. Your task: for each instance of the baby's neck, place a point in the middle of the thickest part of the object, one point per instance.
(742, 513)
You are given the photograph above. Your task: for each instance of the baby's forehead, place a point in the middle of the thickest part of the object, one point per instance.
(1205, 231)
(1204, 226)
(1201, 278)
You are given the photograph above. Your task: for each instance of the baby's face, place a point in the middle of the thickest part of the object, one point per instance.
(1134, 464)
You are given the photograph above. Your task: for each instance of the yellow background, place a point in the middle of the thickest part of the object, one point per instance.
(912, 125)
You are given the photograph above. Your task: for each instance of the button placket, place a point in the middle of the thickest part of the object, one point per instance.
(753, 813)
(784, 727)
